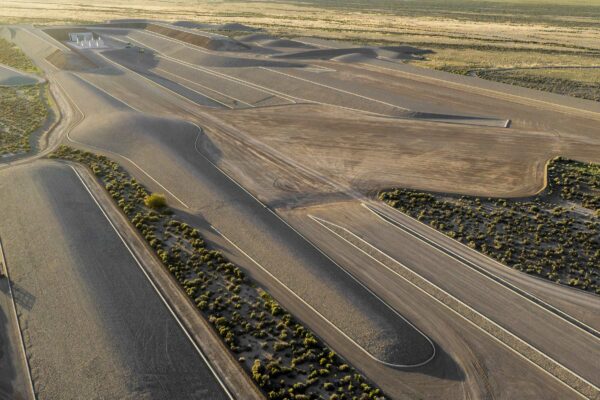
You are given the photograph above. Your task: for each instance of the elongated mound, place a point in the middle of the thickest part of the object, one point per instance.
(219, 43)
(286, 43)
(351, 58)
(256, 37)
(328, 54)
(133, 129)
(72, 61)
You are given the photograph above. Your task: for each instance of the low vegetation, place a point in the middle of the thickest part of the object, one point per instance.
(284, 358)
(560, 85)
(572, 72)
(12, 56)
(155, 201)
(22, 111)
(554, 235)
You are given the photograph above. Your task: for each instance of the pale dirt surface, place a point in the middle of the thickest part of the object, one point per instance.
(355, 149)
(469, 364)
(174, 161)
(93, 326)
(443, 157)
(484, 295)
(255, 122)
(581, 305)
(305, 154)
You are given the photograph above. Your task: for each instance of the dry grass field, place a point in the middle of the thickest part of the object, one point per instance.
(464, 35)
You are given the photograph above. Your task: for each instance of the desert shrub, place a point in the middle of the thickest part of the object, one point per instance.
(569, 87)
(155, 201)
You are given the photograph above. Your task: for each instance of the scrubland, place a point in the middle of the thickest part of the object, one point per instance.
(554, 235)
(465, 35)
(22, 108)
(12, 56)
(22, 112)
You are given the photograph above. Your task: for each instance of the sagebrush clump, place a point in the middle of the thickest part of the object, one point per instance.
(155, 201)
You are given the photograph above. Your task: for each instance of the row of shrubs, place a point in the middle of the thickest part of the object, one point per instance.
(284, 358)
(22, 111)
(555, 235)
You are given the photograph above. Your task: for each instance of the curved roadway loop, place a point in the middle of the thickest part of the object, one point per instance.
(96, 144)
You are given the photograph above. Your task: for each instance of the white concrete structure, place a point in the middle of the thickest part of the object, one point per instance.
(78, 37)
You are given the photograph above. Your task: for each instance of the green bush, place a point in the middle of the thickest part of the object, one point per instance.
(155, 201)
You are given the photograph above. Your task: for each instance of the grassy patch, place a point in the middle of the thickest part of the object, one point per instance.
(284, 358)
(571, 87)
(12, 56)
(555, 235)
(524, 67)
(22, 112)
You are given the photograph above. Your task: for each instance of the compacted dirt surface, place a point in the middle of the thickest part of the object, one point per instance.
(92, 323)
(256, 138)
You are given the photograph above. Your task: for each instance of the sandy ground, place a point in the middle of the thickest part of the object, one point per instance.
(368, 153)
(469, 364)
(93, 326)
(338, 138)
(299, 154)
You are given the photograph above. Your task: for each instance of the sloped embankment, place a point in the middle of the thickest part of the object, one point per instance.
(72, 61)
(219, 43)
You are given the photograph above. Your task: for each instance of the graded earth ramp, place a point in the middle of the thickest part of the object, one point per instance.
(93, 325)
